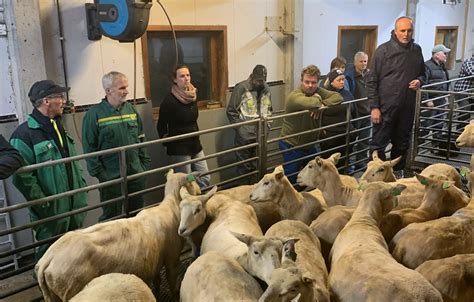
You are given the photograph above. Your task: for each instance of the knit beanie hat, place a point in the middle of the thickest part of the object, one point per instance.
(333, 74)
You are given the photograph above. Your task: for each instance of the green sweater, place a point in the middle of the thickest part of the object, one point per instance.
(298, 101)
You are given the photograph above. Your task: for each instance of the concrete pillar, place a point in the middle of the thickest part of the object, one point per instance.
(25, 51)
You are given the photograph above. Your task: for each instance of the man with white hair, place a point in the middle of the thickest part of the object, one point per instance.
(112, 123)
(435, 73)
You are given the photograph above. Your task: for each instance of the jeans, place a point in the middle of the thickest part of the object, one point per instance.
(199, 166)
(295, 167)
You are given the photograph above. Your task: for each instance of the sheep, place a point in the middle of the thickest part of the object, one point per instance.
(322, 173)
(431, 208)
(453, 277)
(293, 205)
(328, 225)
(115, 287)
(309, 258)
(216, 277)
(436, 239)
(232, 231)
(466, 138)
(267, 212)
(140, 245)
(379, 170)
(361, 266)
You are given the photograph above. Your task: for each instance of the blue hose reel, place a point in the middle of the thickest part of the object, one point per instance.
(123, 20)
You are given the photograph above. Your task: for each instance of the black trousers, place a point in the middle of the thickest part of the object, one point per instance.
(396, 128)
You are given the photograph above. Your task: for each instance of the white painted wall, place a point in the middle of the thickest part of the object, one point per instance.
(430, 14)
(248, 43)
(322, 18)
(7, 101)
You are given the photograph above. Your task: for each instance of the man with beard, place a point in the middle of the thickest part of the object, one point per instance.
(114, 123)
(307, 97)
(396, 73)
(249, 100)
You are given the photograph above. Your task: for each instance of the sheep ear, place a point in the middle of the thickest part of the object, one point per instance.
(397, 190)
(209, 194)
(375, 155)
(247, 239)
(279, 175)
(335, 157)
(278, 169)
(169, 174)
(289, 250)
(423, 180)
(183, 192)
(395, 161)
(318, 161)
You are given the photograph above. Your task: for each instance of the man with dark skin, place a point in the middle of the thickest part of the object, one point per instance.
(396, 73)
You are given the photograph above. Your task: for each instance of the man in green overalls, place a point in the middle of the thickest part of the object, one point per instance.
(114, 123)
(42, 138)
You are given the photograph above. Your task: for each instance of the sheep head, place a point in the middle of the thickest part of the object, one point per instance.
(379, 170)
(193, 210)
(270, 185)
(316, 172)
(466, 139)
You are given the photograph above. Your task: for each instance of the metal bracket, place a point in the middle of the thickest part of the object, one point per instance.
(276, 24)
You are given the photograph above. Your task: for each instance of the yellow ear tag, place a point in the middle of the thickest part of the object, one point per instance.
(190, 178)
(464, 171)
(396, 192)
(446, 185)
(360, 187)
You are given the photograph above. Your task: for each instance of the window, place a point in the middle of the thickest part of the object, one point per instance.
(202, 48)
(448, 36)
(352, 39)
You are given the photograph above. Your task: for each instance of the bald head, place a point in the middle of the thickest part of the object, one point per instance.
(404, 29)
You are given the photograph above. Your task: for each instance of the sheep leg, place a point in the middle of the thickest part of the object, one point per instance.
(172, 272)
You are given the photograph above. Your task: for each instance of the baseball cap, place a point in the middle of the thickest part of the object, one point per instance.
(440, 47)
(44, 88)
(259, 73)
(333, 74)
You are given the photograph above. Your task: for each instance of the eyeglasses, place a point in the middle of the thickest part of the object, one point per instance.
(56, 96)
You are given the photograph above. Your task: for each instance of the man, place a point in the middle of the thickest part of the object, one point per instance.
(435, 73)
(10, 159)
(465, 103)
(114, 123)
(356, 77)
(307, 96)
(397, 72)
(42, 138)
(249, 100)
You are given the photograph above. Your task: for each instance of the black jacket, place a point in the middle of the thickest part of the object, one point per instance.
(10, 159)
(176, 118)
(435, 73)
(394, 66)
(336, 114)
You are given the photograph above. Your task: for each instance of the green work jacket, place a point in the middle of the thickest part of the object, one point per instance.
(36, 146)
(105, 127)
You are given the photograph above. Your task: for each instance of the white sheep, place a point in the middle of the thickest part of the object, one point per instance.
(452, 277)
(216, 277)
(436, 239)
(322, 174)
(362, 269)
(308, 259)
(466, 138)
(232, 231)
(292, 204)
(438, 191)
(140, 245)
(115, 287)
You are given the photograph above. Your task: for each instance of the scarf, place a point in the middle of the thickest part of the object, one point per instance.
(184, 96)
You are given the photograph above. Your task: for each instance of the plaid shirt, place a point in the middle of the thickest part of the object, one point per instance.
(467, 69)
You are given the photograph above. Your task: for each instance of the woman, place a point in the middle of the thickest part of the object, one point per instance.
(336, 114)
(178, 115)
